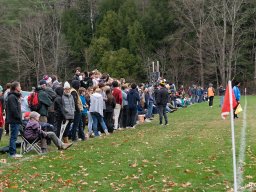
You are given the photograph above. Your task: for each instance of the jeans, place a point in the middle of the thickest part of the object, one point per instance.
(14, 134)
(90, 122)
(221, 100)
(132, 117)
(77, 119)
(98, 118)
(150, 109)
(52, 136)
(200, 98)
(162, 113)
(193, 100)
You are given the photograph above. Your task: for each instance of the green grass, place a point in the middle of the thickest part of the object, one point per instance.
(193, 153)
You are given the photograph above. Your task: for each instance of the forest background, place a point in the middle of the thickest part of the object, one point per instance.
(195, 41)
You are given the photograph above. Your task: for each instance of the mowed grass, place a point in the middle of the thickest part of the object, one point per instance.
(193, 153)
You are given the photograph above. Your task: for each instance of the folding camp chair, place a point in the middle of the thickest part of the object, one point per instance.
(27, 145)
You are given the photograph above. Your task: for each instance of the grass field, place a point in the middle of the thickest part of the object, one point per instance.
(193, 153)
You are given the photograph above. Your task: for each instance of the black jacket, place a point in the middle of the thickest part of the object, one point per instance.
(13, 108)
(162, 97)
(58, 105)
(86, 83)
(110, 105)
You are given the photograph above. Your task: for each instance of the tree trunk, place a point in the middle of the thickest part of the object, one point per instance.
(223, 50)
(200, 54)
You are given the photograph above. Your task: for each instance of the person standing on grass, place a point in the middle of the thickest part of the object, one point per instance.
(109, 111)
(44, 101)
(133, 99)
(78, 112)
(69, 109)
(221, 94)
(82, 123)
(96, 110)
(237, 95)
(117, 93)
(125, 108)
(14, 117)
(211, 92)
(1, 112)
(58, 109)
(161, 101)
(6, 126)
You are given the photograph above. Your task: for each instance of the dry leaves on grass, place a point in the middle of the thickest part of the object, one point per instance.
(185, 185)
(134, 164)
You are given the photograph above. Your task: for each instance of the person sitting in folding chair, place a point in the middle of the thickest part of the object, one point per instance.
(33, 130)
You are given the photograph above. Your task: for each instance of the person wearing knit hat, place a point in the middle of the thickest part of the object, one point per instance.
(68, 108)
(42, 82)
(66, 85)
(33, 130)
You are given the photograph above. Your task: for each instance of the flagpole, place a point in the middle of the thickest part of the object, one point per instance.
(233, 134)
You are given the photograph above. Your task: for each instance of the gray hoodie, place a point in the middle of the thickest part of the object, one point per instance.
(96, 103)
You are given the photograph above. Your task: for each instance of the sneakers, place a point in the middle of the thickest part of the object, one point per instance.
(66, 145)
(16, 156)
(106, 132)
(120, 129)
(147, 121)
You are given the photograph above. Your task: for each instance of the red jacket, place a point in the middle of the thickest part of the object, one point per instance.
(117, 93)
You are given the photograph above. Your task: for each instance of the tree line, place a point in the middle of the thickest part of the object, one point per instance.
(195, 41)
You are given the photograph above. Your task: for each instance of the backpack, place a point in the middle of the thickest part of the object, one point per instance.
(33, 101)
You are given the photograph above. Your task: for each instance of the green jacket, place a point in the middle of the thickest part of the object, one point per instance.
(45, 102)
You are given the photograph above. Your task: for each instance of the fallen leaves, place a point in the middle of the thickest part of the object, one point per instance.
(185, 185)
(134, 164)
(3, 161)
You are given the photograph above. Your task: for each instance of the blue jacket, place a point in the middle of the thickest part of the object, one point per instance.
(133, 98)
(84, 104)
(237, 93)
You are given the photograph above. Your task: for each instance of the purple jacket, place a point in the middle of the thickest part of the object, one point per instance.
(33, 130)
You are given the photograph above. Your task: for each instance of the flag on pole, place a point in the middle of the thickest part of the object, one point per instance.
(226, 104)
(228, 108)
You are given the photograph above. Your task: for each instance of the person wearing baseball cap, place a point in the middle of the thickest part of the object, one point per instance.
(44, 100)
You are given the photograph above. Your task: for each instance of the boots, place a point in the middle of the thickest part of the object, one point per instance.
(65, 140)
(66, 145)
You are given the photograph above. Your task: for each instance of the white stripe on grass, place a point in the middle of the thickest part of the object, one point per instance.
(241, 158)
